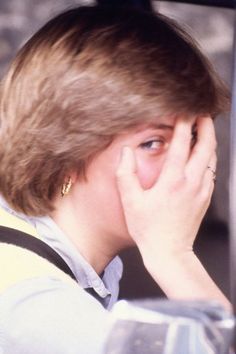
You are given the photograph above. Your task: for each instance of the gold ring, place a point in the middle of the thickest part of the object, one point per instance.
(213, 173)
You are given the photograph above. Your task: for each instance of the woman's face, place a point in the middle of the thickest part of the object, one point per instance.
(100, 192)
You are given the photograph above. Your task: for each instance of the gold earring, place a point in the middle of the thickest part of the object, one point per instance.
(66, 187)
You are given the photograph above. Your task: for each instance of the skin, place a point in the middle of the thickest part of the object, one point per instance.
(102, 231)
(151, 188)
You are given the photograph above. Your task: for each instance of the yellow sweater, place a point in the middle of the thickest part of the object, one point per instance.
(18, 264)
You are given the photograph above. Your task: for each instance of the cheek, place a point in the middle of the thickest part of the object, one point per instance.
(149, 170)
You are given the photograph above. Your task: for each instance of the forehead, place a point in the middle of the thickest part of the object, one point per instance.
(163, 122)
(166, 123)
(140, 131)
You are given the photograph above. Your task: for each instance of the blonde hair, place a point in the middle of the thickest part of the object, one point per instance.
(86, 76)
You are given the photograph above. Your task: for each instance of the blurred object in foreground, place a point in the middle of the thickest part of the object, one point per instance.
(170, 327)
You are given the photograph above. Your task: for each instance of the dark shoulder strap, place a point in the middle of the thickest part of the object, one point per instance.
(31, 243)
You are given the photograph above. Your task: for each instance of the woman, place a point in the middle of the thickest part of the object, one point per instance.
(107, 141)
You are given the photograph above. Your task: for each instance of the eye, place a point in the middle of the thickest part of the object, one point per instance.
(156, 144)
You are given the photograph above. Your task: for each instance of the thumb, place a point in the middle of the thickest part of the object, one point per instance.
(127, 179)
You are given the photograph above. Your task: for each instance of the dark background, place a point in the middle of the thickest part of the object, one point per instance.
(219, 3)
(213, 28)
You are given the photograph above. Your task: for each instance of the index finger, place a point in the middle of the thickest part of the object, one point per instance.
(179, 150)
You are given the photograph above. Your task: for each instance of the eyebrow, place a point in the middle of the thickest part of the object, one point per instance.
(162, 126)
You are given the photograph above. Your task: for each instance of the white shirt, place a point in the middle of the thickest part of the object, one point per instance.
(46, 315)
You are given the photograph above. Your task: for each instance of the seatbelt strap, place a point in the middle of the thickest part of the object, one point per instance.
(31, 243)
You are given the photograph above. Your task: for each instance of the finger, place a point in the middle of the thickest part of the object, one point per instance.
(179, 149)
(203, 149)
(127, 179)
(209, 179)
(211, 168)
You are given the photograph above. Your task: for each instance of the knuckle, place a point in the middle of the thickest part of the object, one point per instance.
(178, 182)
(193, 185)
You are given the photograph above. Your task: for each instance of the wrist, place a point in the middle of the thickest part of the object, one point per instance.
(166, 255)
(182, 276)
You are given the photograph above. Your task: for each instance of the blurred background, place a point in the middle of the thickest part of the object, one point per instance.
(213, 28)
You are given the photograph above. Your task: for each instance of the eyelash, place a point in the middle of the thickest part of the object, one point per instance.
(164, 144)
(147, 144)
